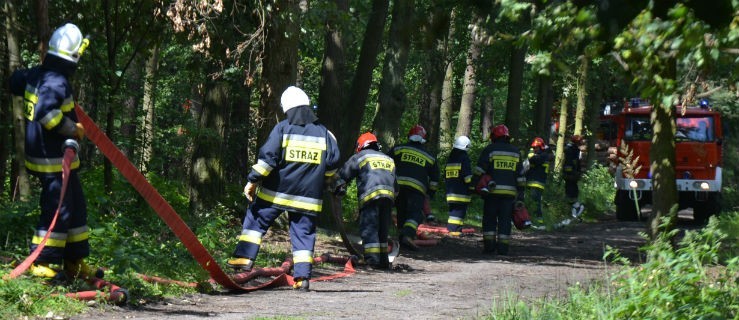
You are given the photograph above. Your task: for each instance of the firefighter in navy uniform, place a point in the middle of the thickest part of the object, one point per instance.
(418, 175)
(571, 172)
(50, 121)
(298, 158)
(540, 158)
(376, 185)
(458, 174)
(502, 161)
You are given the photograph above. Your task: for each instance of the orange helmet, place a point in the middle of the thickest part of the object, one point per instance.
(365, 140)
(576, 138)
(538, 142)
(499, 131)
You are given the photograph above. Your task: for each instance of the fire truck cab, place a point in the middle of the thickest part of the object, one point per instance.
(698, 163)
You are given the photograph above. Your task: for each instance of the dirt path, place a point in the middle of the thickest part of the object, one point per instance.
(452, 280)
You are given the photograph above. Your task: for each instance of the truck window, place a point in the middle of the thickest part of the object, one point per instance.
(638, 129)
(699, 129)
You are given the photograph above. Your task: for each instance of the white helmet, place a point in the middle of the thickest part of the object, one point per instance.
(293, 97)
(462, 143)
(66, 42)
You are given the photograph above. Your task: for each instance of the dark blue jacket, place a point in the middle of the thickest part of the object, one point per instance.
(293, 165)
(539, 162)
(502, 161)
(375, 173)
(415, 168)
(458, 174)
(49, 113)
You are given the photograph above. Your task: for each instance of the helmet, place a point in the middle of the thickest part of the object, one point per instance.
(66, 43)
(417, 133)
(500, 131)
(293, 97)
(365, 140)
(462, 143)
(538, 142)
(576, 138)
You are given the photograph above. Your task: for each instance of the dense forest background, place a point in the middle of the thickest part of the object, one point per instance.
(189, 89)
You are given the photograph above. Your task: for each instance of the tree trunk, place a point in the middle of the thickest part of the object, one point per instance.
(434, 43)
(331, 107)
(130, 110)
(543, 112)
(487, 114)
(515, 88)
(6, 113)
(469, 88)
(445, 110)
(560, 150)
(206, 177)
(582, 93)
(280, 63)
(147, 132)
(392, 100)
(356, 104)
(20, 183)
(43, 31)
(596, 99)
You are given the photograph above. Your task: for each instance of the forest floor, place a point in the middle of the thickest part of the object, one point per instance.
(451, 280)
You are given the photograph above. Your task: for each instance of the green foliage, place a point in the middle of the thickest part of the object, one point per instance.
(26, 297)
(597, 190)
(697, 280)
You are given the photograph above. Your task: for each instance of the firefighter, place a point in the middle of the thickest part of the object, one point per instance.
(375, 173)
(458, 174)
(502, 161)
(418, 175)
(298, 158)
(571, 173)
(540, 157)
(50, 122)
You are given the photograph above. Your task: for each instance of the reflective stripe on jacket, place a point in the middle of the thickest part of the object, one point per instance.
(458, 175)
(415, 168)
(375, 173)
(502, 161)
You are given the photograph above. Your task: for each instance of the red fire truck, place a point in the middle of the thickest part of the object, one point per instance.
(698, 163)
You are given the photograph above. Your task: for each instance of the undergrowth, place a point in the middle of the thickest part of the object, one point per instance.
(698, 279)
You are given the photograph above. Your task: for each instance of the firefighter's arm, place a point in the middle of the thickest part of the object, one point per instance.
(332, 159)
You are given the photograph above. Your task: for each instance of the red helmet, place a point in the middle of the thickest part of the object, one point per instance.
(538, 142)
(576, 138)
(417, 130)
(365, 140)
(500, 131)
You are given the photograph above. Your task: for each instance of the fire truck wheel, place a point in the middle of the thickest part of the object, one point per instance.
(625, 207)
(705, 209)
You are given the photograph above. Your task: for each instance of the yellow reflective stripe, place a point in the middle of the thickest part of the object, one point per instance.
(488, 235)
(262, 167)
(300, 141)
(378, 193)
(250, 238)
(304, 256)
(455, 220)
(535, 184)
(49, 168)
(458, 197)
(30, 96)
(454, 166)
(412, 185)
(52, 119)
(78, 237)
(330, 173)
(67, 105)
(505, 192)
(49, 242)
(468, 179)
(293, 203)
(411, 223)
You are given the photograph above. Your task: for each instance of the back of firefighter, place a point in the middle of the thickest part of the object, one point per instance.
(571, 172)
(540, 158)
(375, 174)
(418, 175)
(292, 166)
(502, 161)
(458, 174)
(50, 121)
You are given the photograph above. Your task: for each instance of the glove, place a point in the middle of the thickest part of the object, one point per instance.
(250, 190)
(79, 132)
(340, 190)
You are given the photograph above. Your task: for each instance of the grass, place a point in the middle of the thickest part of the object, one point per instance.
(697, 280)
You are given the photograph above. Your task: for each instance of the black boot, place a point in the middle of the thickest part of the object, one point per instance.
(503, 248)
(488, 246)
